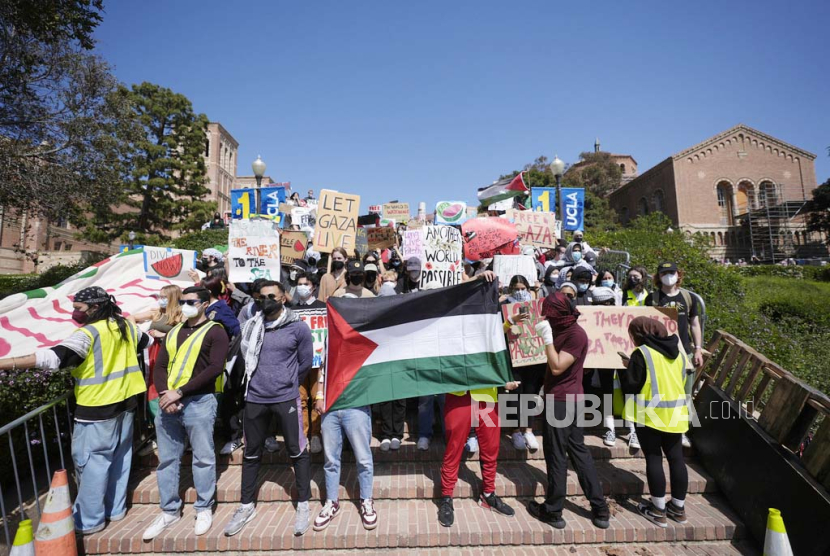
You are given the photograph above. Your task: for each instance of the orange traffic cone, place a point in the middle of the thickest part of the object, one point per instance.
(56, 531)
(23, 544)
(776, 542)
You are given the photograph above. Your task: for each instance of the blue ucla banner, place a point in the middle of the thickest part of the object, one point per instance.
(243, 203)
(543, 199)
(573, 207)
(269, 201)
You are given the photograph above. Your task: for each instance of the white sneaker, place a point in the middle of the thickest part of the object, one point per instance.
(519, 441)
(530, 440)
(685, 441)
(423, 443)
(316, 445)
(272, 445)
(385, 444)
(395, 444)
(471, 445)
(204, 520)
(230, 447)
(633, 441)
(610, 438)
(158, 525)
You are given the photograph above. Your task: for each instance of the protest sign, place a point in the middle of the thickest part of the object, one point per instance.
(607, 329)
(535, 228)
(442, 260)
(303, 217)
(168, 263)
(413, 244)
(375, 209)
(316, 320)
(543, 199)
(292, 246)
(386, 222)
(286, 208)
(381, 238)
(396, 211)
(485, 237)
(253, 250)
(361, 242)
(270, 199)
(336, 221)
(415, 224)
(508, 266)
(573, 207)
(525, 344)
(450, 212)
(243, 203)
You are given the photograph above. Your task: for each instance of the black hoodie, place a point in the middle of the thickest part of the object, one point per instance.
(633, 378)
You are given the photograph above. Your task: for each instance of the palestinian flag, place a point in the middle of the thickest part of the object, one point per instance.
(502, 189)
(417, 344)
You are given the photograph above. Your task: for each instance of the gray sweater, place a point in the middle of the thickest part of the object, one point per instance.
(285, 359)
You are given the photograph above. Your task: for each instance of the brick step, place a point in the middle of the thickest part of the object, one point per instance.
(417, 480)
(409, 452)
(414, 523)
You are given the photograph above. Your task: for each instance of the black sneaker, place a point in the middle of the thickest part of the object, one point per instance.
(653, 514)
(539, 511)
(493, 502)
(601, 517)
(446, 514)
(677, 513)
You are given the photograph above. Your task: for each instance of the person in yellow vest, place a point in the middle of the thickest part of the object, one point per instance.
(634, 291)
(656, 400)
(187, 373)
(107, 377)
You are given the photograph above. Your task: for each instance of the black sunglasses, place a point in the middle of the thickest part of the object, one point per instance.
(190, 302)
(272, 296)
(570, 295)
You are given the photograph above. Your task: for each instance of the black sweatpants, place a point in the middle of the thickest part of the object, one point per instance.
(561, 441)
(392, 416)
(258, 427)
(531, 378)
(654, 444)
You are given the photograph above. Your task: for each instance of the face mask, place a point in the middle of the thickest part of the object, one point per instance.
(576, 256)
(582, 288)
(633, 281)
(79, 316)
(270, 306)
(521, 295)
(395, 262)
(388, 288)
(414, 275)
(292, 275)
(572, 303)
(356, 280)
(304, 291)
(163, 303)
(486, 262)
(371, 277)
(190, 311)
(550, 280)
(607, 283)
(338, 265)
(669, 279)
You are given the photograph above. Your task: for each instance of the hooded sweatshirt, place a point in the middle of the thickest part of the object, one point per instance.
(633, 378)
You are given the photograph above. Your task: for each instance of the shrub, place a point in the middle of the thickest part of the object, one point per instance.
(16, 283)
(198, 241)
(815, 273)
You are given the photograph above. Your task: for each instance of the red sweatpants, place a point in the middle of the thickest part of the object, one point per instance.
(458, 418)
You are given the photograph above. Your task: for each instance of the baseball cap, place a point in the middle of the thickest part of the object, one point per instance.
(370, 267)
(354, 267)
(413, 263)
(667, 267)
(601, 294)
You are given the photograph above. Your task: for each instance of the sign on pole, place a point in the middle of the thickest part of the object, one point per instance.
(573, 201)
(270, 199)
(253, 250)
(543, 199)
(243, 203)
(336, 221)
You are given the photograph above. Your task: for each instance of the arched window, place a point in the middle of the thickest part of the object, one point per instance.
(622, 168)
(207, 147)
(767, 195)
(724, 191)
(746, 197)
(720, 238)
(624, 216)
(642, 206)
(658, 200)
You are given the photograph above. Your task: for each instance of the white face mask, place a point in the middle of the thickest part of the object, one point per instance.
(414, 275)
(669, 279)
(163, 303)
(304, 291)
(190, 311)
(521, 295)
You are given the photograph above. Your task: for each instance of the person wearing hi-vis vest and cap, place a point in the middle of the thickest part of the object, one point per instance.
(656, 400)
(187, 368)
(107, 380)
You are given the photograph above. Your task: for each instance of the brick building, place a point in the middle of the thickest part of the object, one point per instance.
(221, 162)
(742, 188)
(626, 162)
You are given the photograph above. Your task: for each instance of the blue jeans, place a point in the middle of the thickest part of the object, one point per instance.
(102, 452)
(357, 424)
(426, 414)
(195, 422)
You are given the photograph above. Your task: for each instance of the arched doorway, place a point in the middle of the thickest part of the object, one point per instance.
(725, 203)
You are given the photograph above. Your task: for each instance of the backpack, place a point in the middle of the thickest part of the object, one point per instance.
(687, 299)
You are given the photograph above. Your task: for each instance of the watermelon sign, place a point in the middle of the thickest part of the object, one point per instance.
(166, 263)
(451, 212)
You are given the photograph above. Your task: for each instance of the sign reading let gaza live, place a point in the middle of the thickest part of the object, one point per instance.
(573, 201)
(336, 221)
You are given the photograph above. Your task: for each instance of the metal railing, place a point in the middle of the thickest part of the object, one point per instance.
(14, 427)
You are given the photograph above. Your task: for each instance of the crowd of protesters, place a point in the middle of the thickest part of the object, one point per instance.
(235, 362)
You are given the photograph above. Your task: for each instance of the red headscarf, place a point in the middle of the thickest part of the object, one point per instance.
(558, 310)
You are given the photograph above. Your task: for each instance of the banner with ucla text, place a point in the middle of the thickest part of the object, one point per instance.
(573, 209)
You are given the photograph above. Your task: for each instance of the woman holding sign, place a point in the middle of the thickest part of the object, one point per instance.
(336, 277)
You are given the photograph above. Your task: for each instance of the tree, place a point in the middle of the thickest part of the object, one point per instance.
(819, 219)
(167, 176)
(596, 172)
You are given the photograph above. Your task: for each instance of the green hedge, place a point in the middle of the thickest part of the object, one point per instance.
(16, 283)
(815, 273)
(198, 241)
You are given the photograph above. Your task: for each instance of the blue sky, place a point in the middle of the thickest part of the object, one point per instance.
(429, 100)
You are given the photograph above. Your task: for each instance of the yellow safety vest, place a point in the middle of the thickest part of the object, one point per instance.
(480, 395)
(110, 372)
(182, 358)
(633, 300)
(661, 404)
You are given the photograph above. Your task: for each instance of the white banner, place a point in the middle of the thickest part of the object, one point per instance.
(253, 251)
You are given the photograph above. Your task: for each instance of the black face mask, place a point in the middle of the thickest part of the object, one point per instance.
(371, 277)
(270, 306)
(633, 282)
(338, 265)
(573, 304)
(356, 279)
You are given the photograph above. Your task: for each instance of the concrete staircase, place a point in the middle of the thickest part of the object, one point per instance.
(406, 489)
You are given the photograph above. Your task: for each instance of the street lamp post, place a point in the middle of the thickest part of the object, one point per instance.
(259, 169)
(558, 168)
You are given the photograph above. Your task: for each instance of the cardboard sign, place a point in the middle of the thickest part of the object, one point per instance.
(253, 250)
(361, 242)
(451, 212)
(375, 209)
(526, 347)
(442, 260)
(316, 319)
(415, 224)
(243, 203)
(485, 237)
(396, 211)
(292, 246)
(167, 263)
(535, 228)
(508, 266)
(573, 208)
(336, 221)
(607, 329)
(413, 244)
(270, 199)
(286, 208)
(543, 199)
(381, 238)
